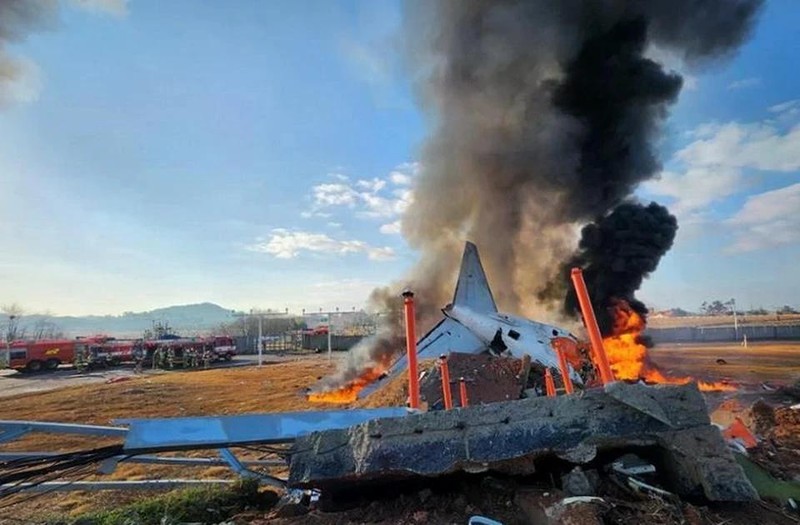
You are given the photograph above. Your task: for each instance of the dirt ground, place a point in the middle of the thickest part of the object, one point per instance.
(281, 387)
(771, 362)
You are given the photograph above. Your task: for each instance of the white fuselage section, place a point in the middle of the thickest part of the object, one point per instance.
(509, 333)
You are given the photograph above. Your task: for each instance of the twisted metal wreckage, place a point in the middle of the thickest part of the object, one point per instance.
(334, 450)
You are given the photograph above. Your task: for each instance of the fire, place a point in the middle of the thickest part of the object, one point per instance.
(628, 357)
(348, 392)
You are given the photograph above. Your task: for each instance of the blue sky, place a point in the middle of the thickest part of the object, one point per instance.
(158, 153)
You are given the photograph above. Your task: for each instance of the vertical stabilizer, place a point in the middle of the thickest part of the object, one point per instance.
(472, 289)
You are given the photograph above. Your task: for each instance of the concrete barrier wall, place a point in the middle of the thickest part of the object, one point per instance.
(702, 334)
(338, 342)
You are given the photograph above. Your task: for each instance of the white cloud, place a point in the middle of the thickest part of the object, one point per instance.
(786, 111)
(734, 145)
(400, 179)
(713, 169)
(314, 213)
(335, 194)
(697, 187)
(371, 198)
(391, 228)
(789, 105)
(745, 83)
(768, 219)
(405, 173)
(373, 185)
(286, 244)
(113, 7)
(381, 254)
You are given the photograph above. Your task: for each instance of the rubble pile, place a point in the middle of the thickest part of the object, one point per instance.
(512, 501)
(667, 424)
(488, 379)
(778, 450)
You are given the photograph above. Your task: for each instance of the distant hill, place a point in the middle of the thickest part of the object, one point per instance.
(190, 319)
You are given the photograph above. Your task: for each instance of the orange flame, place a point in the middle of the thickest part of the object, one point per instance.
(349, 391)
(628, 357)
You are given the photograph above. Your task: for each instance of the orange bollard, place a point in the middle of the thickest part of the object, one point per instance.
(589, 319)
(462, 388)
(563, 366)
(550, 386)
(411, 349)
(448, 395)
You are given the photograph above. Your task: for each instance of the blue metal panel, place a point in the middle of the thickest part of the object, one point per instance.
(12, 433)
(8, 428)
(224, 431)
(154, 460)
(145, 484)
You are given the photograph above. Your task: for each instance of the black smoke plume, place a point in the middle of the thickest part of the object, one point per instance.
(616, 253)
(545, 116)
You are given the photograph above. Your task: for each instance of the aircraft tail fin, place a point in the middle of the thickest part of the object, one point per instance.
(473, 289)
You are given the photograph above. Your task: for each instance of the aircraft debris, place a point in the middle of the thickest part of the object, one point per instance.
(471, 325)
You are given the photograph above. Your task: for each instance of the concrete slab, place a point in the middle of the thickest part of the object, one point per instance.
(509, 436)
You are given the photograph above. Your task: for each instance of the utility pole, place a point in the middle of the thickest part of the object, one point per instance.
(735, 319)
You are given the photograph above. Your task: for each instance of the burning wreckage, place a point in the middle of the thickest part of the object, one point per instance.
(642, 435)
(598, 419)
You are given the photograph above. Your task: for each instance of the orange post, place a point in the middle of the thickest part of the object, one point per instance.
(550, 386)
(462, 389)
(411, 349)
(589, 319)
(563, 367)
(448, 395)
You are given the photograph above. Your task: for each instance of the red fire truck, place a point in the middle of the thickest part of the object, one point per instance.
(224, 347)
(47, 355)
(35, 356)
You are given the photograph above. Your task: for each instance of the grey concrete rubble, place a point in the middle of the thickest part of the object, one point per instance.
(578, 482)
(508, 437)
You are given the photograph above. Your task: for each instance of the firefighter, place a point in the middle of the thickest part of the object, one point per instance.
(138, 358)
(162, 357)
(206, 357)
(81, 363)
(191, 358)
(171, 357)
(156, 357)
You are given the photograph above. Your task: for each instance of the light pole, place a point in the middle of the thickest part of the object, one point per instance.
(260, 333)
(260, 341)
(7, 358)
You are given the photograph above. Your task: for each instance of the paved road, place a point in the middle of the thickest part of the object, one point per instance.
(13, 383)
